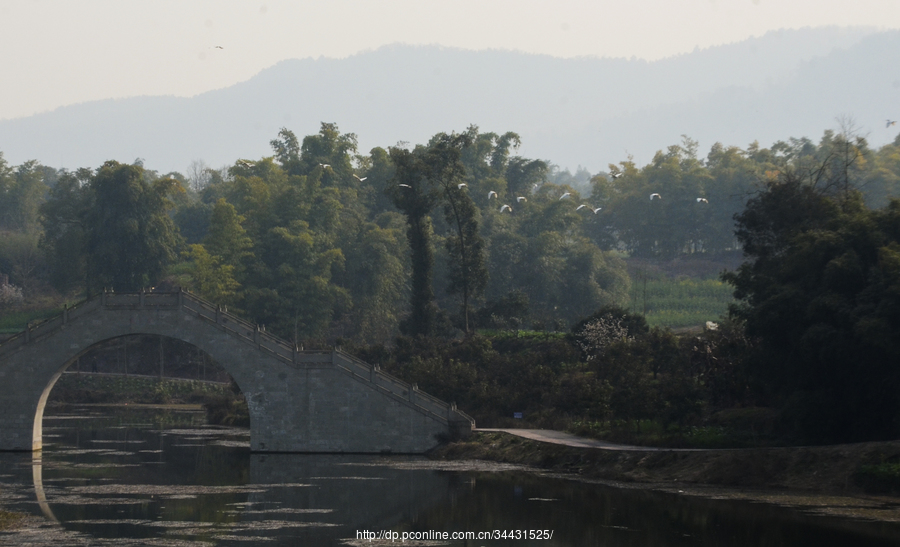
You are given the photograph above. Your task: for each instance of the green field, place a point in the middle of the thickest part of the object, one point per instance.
(680, 302)
(14, 321)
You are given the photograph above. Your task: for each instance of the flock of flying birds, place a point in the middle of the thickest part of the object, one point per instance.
(506, 207)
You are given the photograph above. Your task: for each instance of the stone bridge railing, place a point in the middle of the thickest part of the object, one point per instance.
(249, 334)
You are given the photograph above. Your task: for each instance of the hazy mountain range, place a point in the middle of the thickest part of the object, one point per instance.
(583, 111)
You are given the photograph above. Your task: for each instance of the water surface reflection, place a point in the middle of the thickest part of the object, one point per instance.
(164, 478)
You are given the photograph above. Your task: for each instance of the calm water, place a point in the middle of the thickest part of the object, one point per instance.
(164, 478)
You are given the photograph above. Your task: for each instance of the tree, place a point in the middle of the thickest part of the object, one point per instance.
(468, 271)
(376, 277)
(62, 239)
(510, 310)
(212, 279)
(129, 237)
(820, 291)
(22, 190)
(226, 237)
(415, 196)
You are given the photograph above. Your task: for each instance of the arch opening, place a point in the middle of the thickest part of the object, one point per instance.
(145, 369)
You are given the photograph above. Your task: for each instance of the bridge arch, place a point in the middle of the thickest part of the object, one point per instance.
(318, 402)
(86, 360)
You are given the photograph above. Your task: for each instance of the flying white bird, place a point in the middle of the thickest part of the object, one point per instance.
(492, 194)
(597, 210)
(359, 179)
(324, 165)
(580, 207)
(506, 208)
(890, 123)
(702, 200)
(520, 199)
(567, 194)
(462, 185)
(404, 186)
(616, 175)
(655, 196)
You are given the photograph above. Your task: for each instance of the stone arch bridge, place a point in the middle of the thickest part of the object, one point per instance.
(299, 401)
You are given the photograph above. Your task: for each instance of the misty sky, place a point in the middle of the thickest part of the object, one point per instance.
(59, 52)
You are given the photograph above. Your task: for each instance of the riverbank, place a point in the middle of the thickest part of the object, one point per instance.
(839, 470)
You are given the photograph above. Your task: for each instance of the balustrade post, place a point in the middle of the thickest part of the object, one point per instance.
(256, 335)
(412, 389)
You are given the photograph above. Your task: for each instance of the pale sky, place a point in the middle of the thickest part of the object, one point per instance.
(60, 52)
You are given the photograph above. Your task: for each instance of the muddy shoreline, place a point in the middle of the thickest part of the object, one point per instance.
(819, 479)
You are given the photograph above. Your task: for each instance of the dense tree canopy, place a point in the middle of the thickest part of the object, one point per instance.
(821, 292)
(321, 242)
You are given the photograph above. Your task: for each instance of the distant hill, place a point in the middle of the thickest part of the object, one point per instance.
(583, 111)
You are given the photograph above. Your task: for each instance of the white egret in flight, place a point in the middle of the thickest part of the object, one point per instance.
(359, 179)
(520, 199)
(655, 196)
(580, 207)
(702, 200)
(492, 194)
(567, 194)
(404, 186)
(506, 208)
(596, 210)
(462, 185)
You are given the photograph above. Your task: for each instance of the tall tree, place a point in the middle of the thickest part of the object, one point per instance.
(468, 271)
(129, 237)
(62, 239)
(415, 195)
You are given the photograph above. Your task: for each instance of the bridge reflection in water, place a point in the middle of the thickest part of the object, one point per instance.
(105, 483)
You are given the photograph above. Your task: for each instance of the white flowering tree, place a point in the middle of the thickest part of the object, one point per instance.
(10, 296)
(598, 334)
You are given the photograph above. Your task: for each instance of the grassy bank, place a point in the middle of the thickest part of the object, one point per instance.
(844, 469)
(750, 427)
(12, 322)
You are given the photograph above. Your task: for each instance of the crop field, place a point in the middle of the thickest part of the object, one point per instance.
(678, 303)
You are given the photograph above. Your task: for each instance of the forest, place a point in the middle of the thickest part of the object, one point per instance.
(502, 282)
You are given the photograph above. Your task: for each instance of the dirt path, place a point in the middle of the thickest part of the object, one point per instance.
(567, 439)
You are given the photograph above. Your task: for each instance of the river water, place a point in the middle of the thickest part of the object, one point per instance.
(151, 477)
